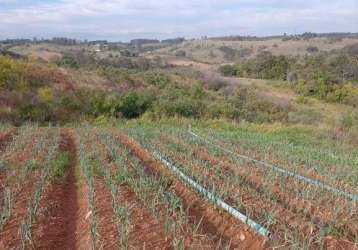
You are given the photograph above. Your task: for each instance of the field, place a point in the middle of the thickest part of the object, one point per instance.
(163, 187)
(200, 144)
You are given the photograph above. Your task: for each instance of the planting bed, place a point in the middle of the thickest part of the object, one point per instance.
(296, 213)
(92, 188)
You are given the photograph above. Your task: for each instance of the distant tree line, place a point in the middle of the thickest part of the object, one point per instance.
(70, 42)
(285, 37)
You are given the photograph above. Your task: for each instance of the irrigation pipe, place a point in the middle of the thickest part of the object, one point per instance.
(255, 226)
(353, 197)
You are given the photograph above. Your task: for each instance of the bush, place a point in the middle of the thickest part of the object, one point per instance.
(272, 67)
(183, 106)
(301, 100)
(215, 83)
(45, 95)
(231, 54)
(117, 75)
(36, 112)
(228, 70)
(68, 61)
(157, 79)
(264, 66)
(292, 78)
(133, 106)
(180, 53)
(346, 94)
(312, 49)
(11, 73)
(253, 108)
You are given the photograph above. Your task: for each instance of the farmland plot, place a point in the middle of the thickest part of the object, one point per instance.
(91, 188)
(297, 208)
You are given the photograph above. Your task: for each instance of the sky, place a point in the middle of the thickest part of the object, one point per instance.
(122, 20)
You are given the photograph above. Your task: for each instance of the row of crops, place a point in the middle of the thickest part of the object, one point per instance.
(26, 168)
(297, 213)
(147, 212)
(125, 206)
(168, 188)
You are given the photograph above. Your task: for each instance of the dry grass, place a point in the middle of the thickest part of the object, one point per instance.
(209, 51)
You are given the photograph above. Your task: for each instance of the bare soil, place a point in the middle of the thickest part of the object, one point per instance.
(289, 209)
(59, 225)
(217, 223)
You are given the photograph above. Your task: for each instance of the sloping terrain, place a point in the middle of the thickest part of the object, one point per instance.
(100, 188)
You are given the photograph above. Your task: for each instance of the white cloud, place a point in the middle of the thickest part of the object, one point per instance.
(116, 19)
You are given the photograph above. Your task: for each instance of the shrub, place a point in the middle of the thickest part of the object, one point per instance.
(253, 108)
(215, 83)
(133, 106)
(292, 78)
(182, 106)
(312, 49)
(346, 94)
(228, 70)
(36, 112)
(231, 54)
(272, 67)
(157, 79)
(68, 61)
(301, 100)
(264, 66)
(180, 53)
(117, 75)
(45, 95)
(39, 75)
(11, 72)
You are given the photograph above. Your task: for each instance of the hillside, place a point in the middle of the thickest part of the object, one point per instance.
(222, 51)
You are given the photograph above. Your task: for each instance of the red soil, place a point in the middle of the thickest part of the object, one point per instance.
(145, 231)
(106, 221)
(21, 194)
(288, 206)
(184, 232)
(61, 223)
(9, 235)
(64, 216)
(302, 170)
(215, 222)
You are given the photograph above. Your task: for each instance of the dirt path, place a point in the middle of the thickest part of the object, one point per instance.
(58, 225)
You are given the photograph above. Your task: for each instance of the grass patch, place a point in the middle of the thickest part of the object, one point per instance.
(60, 164)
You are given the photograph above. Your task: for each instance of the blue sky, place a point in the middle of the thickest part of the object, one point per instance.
(127, 19)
